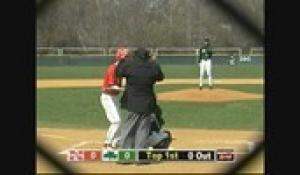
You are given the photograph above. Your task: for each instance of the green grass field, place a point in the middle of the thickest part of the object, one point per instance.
(171, 71)
(80, 108)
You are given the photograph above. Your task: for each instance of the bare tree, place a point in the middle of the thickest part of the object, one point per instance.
(143, 22)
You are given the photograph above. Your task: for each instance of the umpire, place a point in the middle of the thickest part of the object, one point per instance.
(139, 98)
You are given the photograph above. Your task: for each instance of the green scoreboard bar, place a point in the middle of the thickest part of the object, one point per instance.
(121, 155)
(110, 155)
(128, 155)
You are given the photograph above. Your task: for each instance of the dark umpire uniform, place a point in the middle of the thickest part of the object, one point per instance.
(139, 98)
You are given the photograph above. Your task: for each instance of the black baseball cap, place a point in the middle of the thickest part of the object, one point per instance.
(142, 53)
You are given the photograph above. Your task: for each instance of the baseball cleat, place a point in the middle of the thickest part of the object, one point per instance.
(200, 87)
(107, 146)
(211, 87)
(115, 144)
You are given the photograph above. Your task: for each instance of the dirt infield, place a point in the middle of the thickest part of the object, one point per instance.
(206, 95)
(80, 83)
(62, 140)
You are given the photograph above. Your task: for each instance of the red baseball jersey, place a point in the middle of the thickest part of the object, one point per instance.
(110, 79)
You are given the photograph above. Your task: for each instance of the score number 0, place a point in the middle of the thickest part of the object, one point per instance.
(190, 155)
(127, 155)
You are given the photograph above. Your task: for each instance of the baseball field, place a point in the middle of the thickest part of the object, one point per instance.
(69, 114)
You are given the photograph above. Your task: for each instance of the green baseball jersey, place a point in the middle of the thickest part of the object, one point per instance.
(205, 53)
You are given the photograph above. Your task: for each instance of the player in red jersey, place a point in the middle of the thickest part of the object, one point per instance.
(110, 89)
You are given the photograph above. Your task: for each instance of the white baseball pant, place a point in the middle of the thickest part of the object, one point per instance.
(205, 67)
(110, 105)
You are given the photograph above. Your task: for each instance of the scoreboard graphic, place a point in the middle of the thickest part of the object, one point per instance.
(84, 155)
(145, 155)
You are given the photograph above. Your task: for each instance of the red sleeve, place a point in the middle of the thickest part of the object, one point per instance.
(104, 84)
(110, 76)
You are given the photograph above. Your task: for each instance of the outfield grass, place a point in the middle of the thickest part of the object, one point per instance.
(80, 108)
(218, 71)
(65, 72)
(171, 71)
